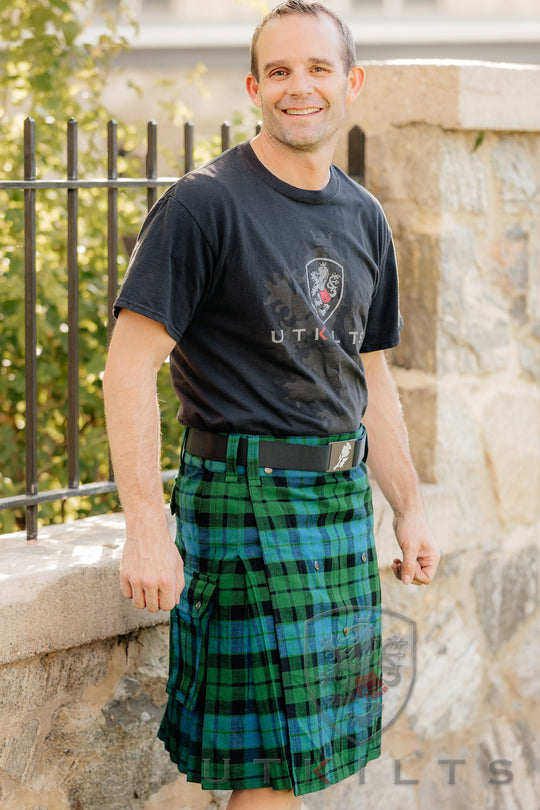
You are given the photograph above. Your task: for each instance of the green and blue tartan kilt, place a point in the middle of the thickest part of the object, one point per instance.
(275, 646)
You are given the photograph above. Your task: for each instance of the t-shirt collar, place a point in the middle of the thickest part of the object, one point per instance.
(312, 197)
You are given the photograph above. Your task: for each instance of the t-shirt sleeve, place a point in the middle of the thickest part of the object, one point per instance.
(384, 322)
(171, 267)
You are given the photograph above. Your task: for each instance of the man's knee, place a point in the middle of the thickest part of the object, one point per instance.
(262, 798)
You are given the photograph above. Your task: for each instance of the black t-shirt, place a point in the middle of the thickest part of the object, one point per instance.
(271, 293)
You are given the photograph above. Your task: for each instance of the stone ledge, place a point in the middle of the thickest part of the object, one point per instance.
(450, 94)
(64, 591)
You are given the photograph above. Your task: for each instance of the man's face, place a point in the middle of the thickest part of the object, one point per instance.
(302, 88)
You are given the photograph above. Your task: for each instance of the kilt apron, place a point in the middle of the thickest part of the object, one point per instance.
(275, 649)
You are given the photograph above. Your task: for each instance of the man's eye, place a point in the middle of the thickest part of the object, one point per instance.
(279, 73)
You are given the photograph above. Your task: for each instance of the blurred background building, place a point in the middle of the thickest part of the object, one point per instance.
(201, 48)
(494, 30)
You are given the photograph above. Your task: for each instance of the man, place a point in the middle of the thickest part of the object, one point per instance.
(269, 278)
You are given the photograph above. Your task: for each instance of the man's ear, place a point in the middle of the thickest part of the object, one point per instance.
(252, 87)
(355, 82)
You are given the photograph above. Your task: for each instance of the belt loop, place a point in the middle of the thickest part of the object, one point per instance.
(253, 461)
(183, 451)
(231, 472)
(366, 446)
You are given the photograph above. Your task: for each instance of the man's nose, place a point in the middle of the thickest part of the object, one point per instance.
(300, 83)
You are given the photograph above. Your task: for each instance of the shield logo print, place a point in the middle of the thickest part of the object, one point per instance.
(325, 286)
(357, 662)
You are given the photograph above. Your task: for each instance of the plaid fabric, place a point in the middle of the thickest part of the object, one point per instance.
(275, 670)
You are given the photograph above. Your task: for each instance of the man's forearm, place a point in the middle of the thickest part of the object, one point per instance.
(391, 464)
(138, 348)
(389, 456)
(133, 427)
(151, 572)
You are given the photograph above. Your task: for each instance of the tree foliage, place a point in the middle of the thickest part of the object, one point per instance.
(51, 69)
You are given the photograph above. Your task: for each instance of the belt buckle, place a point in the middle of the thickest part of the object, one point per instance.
(341, 455)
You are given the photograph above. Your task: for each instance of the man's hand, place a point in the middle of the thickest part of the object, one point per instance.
(420, 554)
(152, 572)
(391, 464)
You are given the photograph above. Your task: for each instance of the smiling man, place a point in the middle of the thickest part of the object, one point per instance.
(269, 278)
(303, 93)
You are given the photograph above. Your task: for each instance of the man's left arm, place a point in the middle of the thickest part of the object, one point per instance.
(391, 464)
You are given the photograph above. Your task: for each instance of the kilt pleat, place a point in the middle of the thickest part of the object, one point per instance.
(275, 651)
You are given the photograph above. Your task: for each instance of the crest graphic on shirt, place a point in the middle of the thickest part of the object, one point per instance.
(325, 286)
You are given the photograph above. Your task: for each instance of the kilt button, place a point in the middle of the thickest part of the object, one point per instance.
(316, 565)
(345, 631)
(198, 606)
(364, 557)
(268, 470)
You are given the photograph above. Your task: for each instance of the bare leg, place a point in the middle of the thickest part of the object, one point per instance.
(264, 799)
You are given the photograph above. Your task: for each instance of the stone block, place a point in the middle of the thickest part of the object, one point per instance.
(181, 795)
(84, 727)
(511, 435)
(512, 781)
(449, 675)
(450, 779)
(419, 260)
(509, 270)
(27, 685)
(462, 470)
(384, 783)
(524, 666)
(415, 186)
(114, 722)
(516, 170)
(19, 754)
(42, 795)
(420, 412)
(507, 588)
(462, 177)
(474, 322)
(450, 94)
(417, 81)
(499, 96)
(529, 359)
(65, 591)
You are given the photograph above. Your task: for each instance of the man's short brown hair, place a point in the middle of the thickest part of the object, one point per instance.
(315, 9)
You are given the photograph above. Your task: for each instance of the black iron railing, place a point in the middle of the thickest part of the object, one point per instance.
(73, 184)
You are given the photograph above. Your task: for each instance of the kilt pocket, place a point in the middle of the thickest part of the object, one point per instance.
(189, 637)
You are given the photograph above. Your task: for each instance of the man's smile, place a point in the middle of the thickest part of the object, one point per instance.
(302, 111)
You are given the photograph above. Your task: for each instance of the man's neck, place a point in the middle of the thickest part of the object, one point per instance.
(306, 170)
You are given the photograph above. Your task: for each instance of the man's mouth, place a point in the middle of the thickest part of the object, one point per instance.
(302, 111)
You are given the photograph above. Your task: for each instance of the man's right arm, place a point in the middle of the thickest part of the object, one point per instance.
(151, 572)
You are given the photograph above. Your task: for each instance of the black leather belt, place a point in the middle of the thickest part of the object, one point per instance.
(331, 457)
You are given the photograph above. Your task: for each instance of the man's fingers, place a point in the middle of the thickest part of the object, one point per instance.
(426, 574)
(125, 586)
(408, 566)
(180, 582)
(151, 585)
(421, 575)
(167, 600)
(138, 597)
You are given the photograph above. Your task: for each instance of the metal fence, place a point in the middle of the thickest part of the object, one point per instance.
(114, 184)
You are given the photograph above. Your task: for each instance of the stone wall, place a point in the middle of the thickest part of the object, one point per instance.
(453, 153)
(457, 168)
